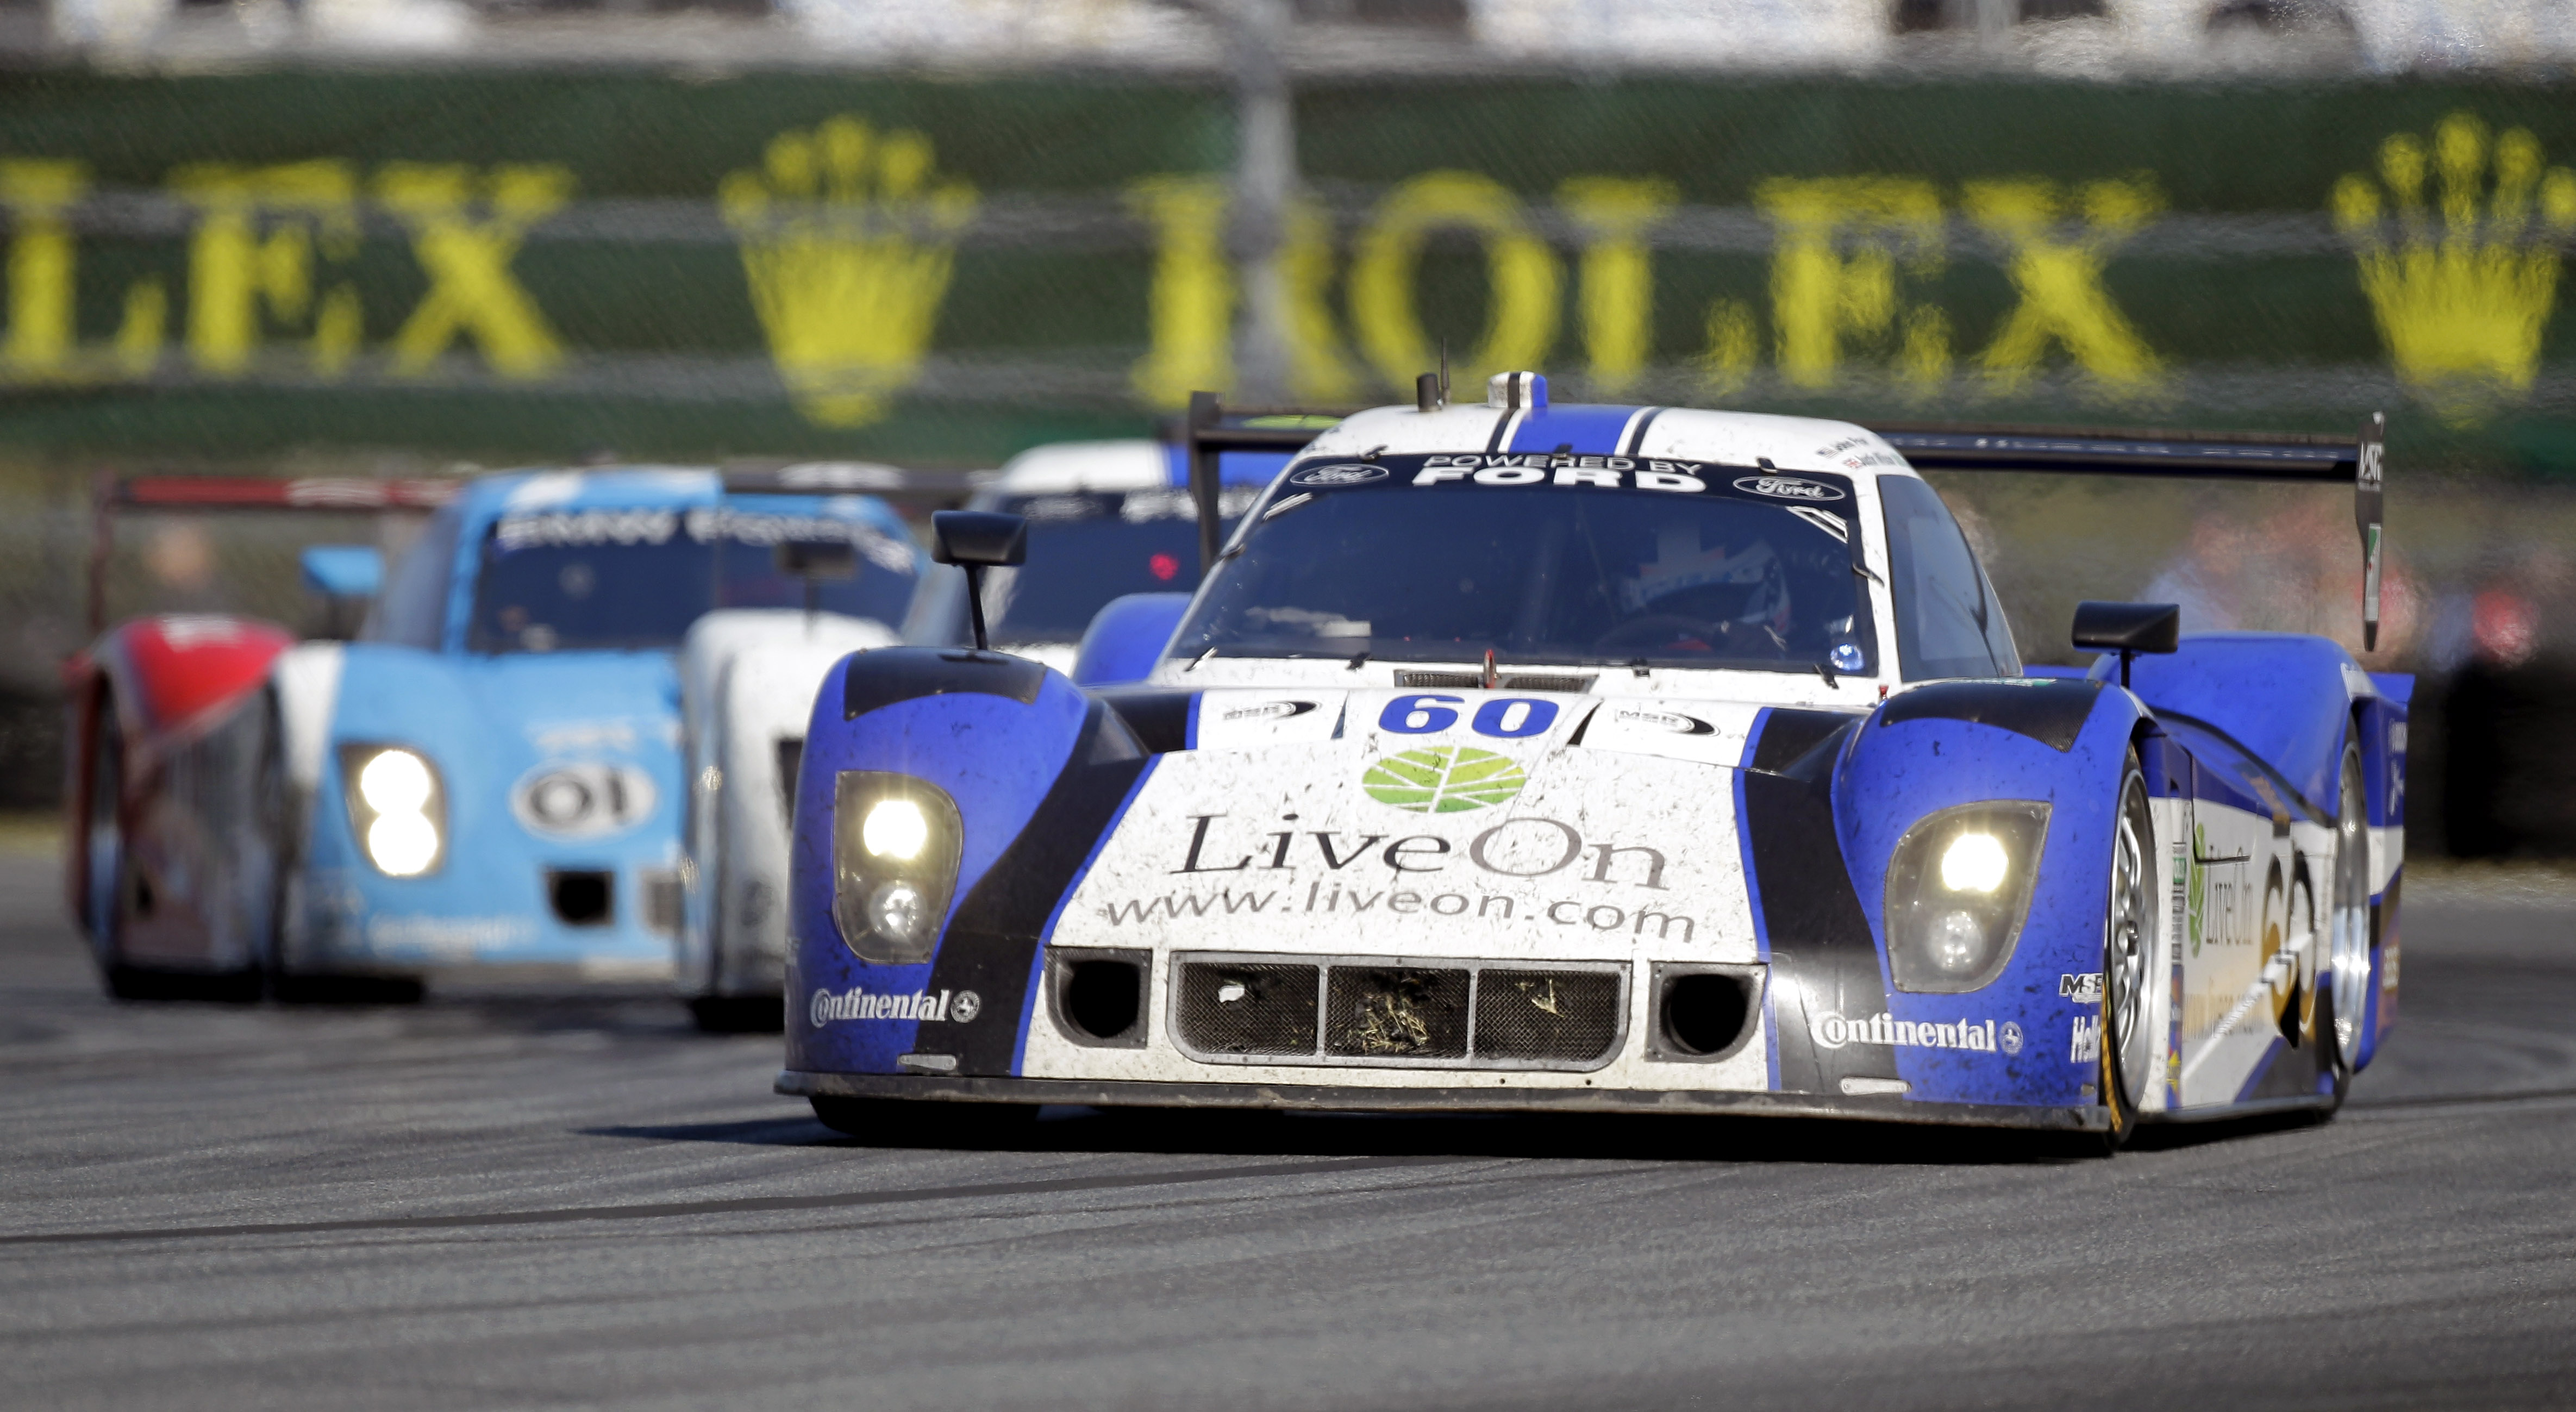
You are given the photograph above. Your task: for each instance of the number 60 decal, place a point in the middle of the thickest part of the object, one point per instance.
(1509, 718)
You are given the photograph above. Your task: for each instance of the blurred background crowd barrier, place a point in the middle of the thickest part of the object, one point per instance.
(402, 237)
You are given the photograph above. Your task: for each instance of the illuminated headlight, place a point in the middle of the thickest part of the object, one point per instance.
(895, 846)
(396, 807)
(1958, 887)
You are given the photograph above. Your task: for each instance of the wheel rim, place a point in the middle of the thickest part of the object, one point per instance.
(2124, 1000)
(2351, 919)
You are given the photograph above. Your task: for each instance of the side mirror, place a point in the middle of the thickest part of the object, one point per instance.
(1126, 638)
(976, 540)
(344, 570)
(2128, 629)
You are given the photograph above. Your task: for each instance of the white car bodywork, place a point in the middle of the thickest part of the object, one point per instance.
(747, 683)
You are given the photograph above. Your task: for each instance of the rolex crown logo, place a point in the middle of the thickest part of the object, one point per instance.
(2463, 279)
(848, 238)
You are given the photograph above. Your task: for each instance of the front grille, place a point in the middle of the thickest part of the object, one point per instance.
(1393, 1013)
(1570, 1016)
(1508, 681)
(1255, 1008)
(1363, 1010)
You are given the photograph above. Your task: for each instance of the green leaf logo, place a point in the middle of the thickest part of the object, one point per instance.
(1445, 779)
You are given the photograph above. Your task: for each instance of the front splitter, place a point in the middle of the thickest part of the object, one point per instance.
(1358, 1099)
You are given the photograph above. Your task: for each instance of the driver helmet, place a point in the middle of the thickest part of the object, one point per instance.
(1714, 585)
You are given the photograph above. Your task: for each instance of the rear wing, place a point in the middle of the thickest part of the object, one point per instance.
(1210, 429)
(337, 494)
(347, 494)
(2358, 461)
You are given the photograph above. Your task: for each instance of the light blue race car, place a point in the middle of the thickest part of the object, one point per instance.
(488, 782)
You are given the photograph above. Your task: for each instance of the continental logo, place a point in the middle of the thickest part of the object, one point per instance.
(1446, 779)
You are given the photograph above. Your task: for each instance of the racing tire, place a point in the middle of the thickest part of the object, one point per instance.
(896, 1122)
(739, 1014)
(2344, 992)
(2128, 955)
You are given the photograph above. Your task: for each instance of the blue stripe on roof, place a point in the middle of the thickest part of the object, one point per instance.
(1232, 467)
(1592, 431)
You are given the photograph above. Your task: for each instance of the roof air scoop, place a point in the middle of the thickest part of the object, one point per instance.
(1516, 392)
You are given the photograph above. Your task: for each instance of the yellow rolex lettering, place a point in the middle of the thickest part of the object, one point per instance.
(848, 242)
(1732, 346)
(1190, 307)
(1318, 368)
(1617, 272)
(42, 265)
(254, 247)
(1834, 270)
(2059, 281)
(2461, 300)
(138, 336)
(471, 290)
(1521, 270)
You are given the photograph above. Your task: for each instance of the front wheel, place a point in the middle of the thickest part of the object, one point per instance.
(2347, 930)
(2129, 934)
(739, 1014)
(897, 1122)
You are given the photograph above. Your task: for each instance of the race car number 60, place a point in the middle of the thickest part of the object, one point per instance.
(1509, 718)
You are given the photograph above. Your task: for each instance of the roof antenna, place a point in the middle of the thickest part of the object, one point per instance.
(1444, 372)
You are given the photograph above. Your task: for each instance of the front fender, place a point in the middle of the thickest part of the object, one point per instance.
(1039, 772)
(2062, 743)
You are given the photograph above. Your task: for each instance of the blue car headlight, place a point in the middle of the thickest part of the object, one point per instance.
(895, 847)
(397, 808)
(1958, 887)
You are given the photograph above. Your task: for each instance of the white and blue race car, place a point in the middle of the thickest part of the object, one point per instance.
(1612, 758)
(486, 783)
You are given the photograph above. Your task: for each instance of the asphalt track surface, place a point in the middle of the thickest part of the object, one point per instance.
(547, 1201)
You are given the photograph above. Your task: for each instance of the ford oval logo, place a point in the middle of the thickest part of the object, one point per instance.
(1347, 474)
(1787, 488)
(584, 800)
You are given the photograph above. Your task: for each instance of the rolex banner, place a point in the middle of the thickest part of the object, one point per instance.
(513, 264)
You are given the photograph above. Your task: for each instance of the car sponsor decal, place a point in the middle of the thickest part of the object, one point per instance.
(1236, 720)
(859, 1003)
(582, 799)
(2085, 989)
(2084, 1045)
(1832, 1031)
(1338, 473)
(705, 524)
(1570, 470)
(1444, 780)
(1705, 732)
(1464, 849)
(445, 939)
(1787, 488)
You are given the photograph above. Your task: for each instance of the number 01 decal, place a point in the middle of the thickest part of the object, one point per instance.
(1510, 718)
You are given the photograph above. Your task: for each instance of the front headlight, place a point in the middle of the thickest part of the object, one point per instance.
(397, 808)
(895, 846)
(1957, 889)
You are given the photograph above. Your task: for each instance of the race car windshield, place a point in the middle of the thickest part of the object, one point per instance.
(1087, 548)
(636, 579)
(1592, 560)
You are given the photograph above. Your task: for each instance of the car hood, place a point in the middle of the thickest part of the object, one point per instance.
(1493, 824)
